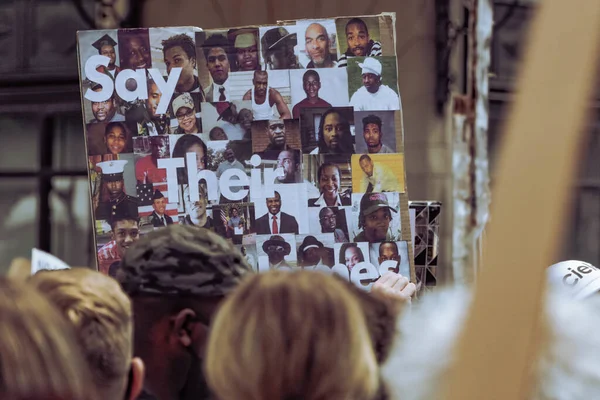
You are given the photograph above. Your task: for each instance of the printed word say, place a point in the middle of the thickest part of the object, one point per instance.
(230, 178)
(140, 91)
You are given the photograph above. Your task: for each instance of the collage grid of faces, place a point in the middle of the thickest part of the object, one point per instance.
(313, 107)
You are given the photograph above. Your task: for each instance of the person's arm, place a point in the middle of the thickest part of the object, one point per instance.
(282, 108)
(248, 95)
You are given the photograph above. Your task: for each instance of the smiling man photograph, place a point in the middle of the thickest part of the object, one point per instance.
(373, 94)
(311, 83)
(317, 45)
(275, 221)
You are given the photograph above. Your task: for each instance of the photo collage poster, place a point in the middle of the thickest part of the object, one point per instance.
(285, 139)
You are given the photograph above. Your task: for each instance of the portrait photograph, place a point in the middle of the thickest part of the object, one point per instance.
(276, 252)
(317, 43)
(161, 213)
(276, 135)
(214, 56)
(318, 88)
(186, 110)
(378, 173)
(227, 120)
(278, 47)
(358, 37)
(99, 189)
(260, 86)
(376, 217)
(350, 254)
(290, 162)
(394, 253)
(134, 48)
(286, 206)
(99, 42)
(327, 130)
(375, 132)
(109, 110)
(332, 220)
(147, 153)
(331, 176)
(373, 83)
(246, 49)
(196, 212)
(249, 253)
(109, 138)
(176, 48)
(234, 220)
(315, 251)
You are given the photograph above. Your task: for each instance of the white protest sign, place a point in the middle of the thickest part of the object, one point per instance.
(577, 277)
(40, 260)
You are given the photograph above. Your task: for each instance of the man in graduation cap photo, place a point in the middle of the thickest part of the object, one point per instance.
(158, 217)
(113, 184)
(106, 47)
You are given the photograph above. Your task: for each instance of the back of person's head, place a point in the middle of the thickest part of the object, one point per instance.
(100, 314)
(176, 277)
(566, 366)
(40, 358)
(291, 335)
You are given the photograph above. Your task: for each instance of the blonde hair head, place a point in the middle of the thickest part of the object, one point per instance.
(291, 335)
(39, 355)
(100, 313)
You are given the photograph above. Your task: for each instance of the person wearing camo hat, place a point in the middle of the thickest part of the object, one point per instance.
(176, 278)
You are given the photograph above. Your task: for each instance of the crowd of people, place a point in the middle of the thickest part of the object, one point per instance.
(187, 318)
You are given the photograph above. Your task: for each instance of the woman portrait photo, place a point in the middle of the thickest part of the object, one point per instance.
(350, 255)
(329, 178)
(185, 112)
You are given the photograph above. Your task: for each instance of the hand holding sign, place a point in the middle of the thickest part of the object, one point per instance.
(394, 289)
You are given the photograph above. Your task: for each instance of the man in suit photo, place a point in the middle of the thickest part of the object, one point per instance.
(275, 221)
(158, 216)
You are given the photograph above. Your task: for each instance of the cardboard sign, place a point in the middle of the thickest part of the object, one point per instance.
(285, 139)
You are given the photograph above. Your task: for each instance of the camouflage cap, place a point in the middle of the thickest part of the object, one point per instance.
(182, 260)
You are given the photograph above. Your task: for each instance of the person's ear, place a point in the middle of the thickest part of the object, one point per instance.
(136, 378)
(190, 331)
